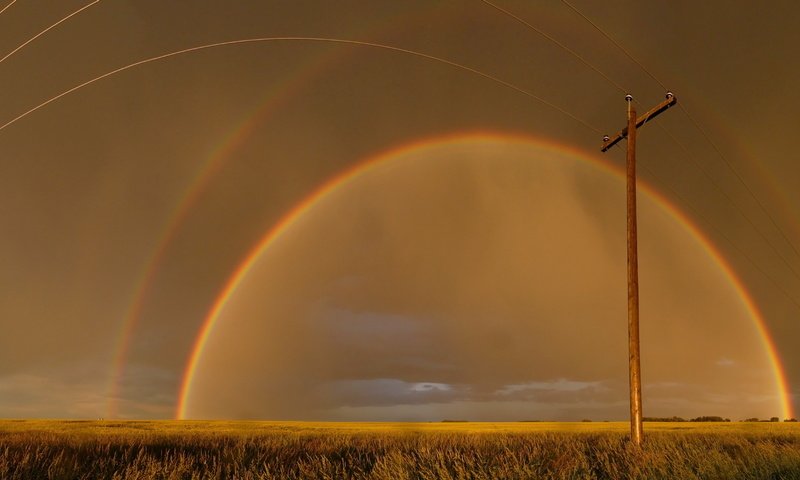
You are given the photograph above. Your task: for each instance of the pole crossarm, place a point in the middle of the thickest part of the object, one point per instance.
(650, 114)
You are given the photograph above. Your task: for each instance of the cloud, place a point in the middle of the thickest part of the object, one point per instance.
(30, 395)
(725, 362)
(428, 387)
(562, 385)
(389, 391)
(146, 391)
(560, 392)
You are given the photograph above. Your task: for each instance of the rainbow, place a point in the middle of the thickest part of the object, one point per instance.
(214, 162)
(342, 179)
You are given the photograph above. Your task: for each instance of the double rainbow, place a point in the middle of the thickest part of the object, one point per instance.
(344, 178)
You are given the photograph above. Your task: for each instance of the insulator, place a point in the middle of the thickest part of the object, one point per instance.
(606, 138)
(669, 95)
(629, 98)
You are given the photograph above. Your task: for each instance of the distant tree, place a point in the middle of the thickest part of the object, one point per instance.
(708, 419)
(752, 419)
(586, 420)
(790, 420)
(774, 419)
(663, 419)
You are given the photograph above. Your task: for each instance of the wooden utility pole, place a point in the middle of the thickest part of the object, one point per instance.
(634, 371)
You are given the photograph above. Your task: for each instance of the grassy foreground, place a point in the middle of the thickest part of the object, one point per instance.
(39, 449)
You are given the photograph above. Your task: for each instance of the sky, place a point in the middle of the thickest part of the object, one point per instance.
(394, 210)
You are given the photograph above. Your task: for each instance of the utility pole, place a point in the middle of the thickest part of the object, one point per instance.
(634, 370)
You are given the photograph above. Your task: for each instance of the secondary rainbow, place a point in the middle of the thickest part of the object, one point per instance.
(343, 178)
(214, 162)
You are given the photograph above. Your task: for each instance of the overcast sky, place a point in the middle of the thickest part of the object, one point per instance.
(478, 275)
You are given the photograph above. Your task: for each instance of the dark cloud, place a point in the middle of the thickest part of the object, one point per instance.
(388, 391)
(28, 395)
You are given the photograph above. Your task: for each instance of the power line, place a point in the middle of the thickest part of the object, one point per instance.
(556, 42)
(609, 38)
(6, 7)
(46, 29)
(303, 39)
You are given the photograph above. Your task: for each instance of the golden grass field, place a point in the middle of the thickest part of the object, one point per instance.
(63, 449)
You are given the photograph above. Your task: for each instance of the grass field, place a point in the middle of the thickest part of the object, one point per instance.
(47, 449)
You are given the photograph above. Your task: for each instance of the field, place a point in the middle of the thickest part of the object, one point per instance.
(49, 449)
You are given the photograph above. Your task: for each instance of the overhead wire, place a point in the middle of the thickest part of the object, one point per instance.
(24, 44)
(609, 38)
(555, 41)
(304, 39)
(7, 6)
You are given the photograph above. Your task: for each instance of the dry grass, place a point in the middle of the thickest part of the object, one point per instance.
(33, 449)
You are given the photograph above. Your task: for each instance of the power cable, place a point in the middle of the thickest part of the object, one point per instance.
(46, 29)
(6, 7)
(556, 42)
(303, 39)
(609, 38)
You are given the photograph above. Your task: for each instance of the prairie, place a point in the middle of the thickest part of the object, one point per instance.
(80, 449)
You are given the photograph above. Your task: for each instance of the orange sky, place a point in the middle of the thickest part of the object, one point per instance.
(143, 192)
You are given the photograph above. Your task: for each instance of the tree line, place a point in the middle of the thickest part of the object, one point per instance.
(710, 418)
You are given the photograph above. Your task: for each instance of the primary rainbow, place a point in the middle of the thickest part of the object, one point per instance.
(343, 178)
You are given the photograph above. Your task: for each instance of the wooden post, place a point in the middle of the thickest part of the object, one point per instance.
(634, 368)
(634, 363)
